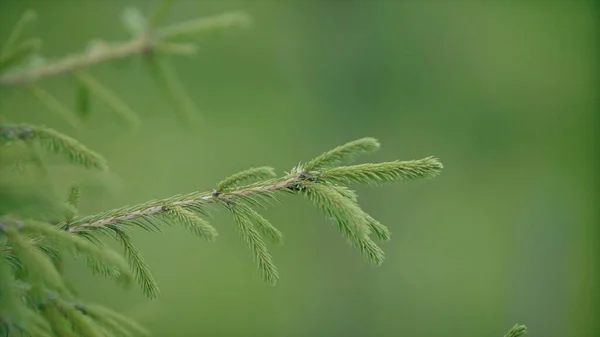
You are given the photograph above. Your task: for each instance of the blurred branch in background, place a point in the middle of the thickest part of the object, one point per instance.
(21, 63)
(157, 41)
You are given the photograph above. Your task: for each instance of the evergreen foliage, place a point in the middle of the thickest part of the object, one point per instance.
(53, 141)
(516, 331)
(251, 174)
(247, 227)
(238, 193)
(343, 153)
(35, 297)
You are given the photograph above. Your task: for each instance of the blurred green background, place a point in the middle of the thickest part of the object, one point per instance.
(504, 93)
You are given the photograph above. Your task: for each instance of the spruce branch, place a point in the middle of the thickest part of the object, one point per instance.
(245, 176)
(142, 45)
(375, 174)
(80, 323)
(77, 244)
(253, 239)
(238, 193)
(39, 269)
(343, 153)
(58, 323)
(35, 324)
(10, 299)
(262, 225)
(351, 220)
(139, 266)
(153, 208)
(381, 231)
(326, 189)
(193, 222)
(517, 330)
(113, 321)
(53, 141)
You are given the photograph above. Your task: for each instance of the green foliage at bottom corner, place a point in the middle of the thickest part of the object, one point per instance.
(56, 316)
(517, 330)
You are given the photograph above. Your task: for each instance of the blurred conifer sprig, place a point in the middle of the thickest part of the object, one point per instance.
(22, 63)
(36, 231)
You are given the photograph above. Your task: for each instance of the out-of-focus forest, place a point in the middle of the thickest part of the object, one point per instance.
(505, 93)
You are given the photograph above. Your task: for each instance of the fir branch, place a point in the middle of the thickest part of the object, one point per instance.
(194, 223)
(375, 174)
(114, 320)
(517, 330)
(256, 173)
(34, 323)
(195, 199)
(325, 189)
(99, 268)
(35, 330)
(9, 298)
(141, 271)
(246, 224)
(105, 257)
(338, 207)
(381, 231)
(116, 51)
(343, 153)
(344, 191)
(60, 325)
(262, 225)
(82, 324)
(53, 141)
(352, 222)
(38, 267)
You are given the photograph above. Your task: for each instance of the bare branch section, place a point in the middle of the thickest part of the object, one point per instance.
(139, 46)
